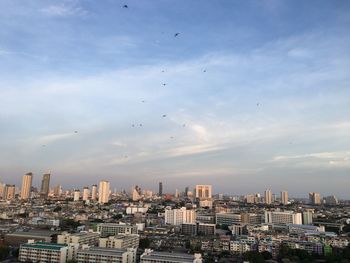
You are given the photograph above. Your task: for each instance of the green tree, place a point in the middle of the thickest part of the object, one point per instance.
(4, 252)
(144, 243)
(253, 257)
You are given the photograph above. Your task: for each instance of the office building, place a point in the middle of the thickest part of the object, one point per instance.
(26, 186)
(81, 238)
(160, 189)
(45, 252)
(203, 191)
(112, 229)
(180, 216)
(57, 190)
(308, 216)
(76, 195)
(103, 255)
(284, 197)
(251, 218)
(9, 192)
(103, 192)
(120, 241)
(314, 198)
(150, 256)
(86, 193)
(45, 185)
(286, 217)
(94, 192)
(228, 219)
(268, 197)
(194, 229)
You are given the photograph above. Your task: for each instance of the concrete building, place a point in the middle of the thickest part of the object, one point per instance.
(81, 238)
(45, 185)
(198, 229)
(120, 241)
(45, 252)
(203, 191)
(160, 189)
(179, 216)
(331, 200)
(111, 229)
(284, 197)
(286, 217)
(9, 192)
(26, 185)
(94, 192)
(314, 198)
(251, 218)
(103, 192)
(308, 216)
(228, 219)
(76, 195)
(150, 256)
(86, 193)
(268, 197)
(19, 237)
(103, 255)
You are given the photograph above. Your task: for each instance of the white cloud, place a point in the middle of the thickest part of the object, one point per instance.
(64, 10)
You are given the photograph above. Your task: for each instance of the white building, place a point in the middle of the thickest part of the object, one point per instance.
(286, 217)
(86, 193)
(179, 216)
(76, 195)
(268, 197)
(284, 197)
(120, 241)
(228, 219)
(46, 252)
(103, 255)
(103, 192)
(81, 238)
(26, 185)
(112, 229)
(94, 192)
(150, 256)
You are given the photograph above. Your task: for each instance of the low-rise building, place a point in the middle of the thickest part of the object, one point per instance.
(102, 255)
(150, 256)
(111, 229)
(120, 241)
(81, 238)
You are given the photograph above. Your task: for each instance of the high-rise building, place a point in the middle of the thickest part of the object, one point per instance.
(314, 198)
(308, 216)
(331, 200)
(94, 192)
(286, 217)
(160, 189)
(2, 186)
(186, 191)
(203, 191)
(284, 197)
(103, 192)
(57, 191)
(26, 185)
(86, 193)
(76, 195)
(9, 192)
(180, 216)
(176, 193)
(268, 197)
(45, 185)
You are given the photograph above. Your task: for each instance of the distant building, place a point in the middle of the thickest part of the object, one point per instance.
(45, 185)
(251, 218)
(314, 198)
(160, 189)
(20, 237)
(331, 200)
(94, 192)
(112, 229)
(180, 216)
(45, 252)
(286, 217)
(9, 192)
(228, 219)
(103, 255)
(86, 193)
(76, 195)
(308, 216)
(204, 195)
(284, 197)
(103, 192)
(268, 197)
(150, 256)
(81, 238)
(26, 186)
(195, 229)
(120, 241)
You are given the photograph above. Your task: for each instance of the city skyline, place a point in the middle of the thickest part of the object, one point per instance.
(246, 97)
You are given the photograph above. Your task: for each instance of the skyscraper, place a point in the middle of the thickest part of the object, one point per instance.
(284, 197)
(268, 196)
(26, 185)
(103, 192)
(203, 191)
(314, 198)
(76, 195)
(160, 189)
(86, 193)
(45, 185)
(9, 192)
(94, 192)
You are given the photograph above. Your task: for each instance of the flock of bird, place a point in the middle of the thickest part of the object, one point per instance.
(177, 34)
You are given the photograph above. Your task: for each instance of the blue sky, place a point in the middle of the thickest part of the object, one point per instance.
(257, 94)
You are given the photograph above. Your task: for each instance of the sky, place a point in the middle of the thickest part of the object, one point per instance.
(256, 94)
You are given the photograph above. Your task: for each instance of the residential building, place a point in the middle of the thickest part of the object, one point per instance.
(150, 256)
(268, 197)
(228, 219)
(94, 192)
(86, 193)
(26, 186)
(112, 229)
(45, 185)
(284, 197)
(314, 198)
(103, 255)
(179, 216)
(81, 238)
(286, 217)
(103, 192)
(120, 241)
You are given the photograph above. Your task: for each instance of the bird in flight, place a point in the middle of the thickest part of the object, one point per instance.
(164, 84)
(75, 131)
(176, 34)
(204, 70)
(164, 115)
(125, 6)
(143, 101)
(258, 104)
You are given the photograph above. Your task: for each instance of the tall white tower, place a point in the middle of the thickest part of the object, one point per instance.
(103, 192)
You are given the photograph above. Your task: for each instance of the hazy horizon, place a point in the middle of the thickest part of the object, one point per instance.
(257, 94)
